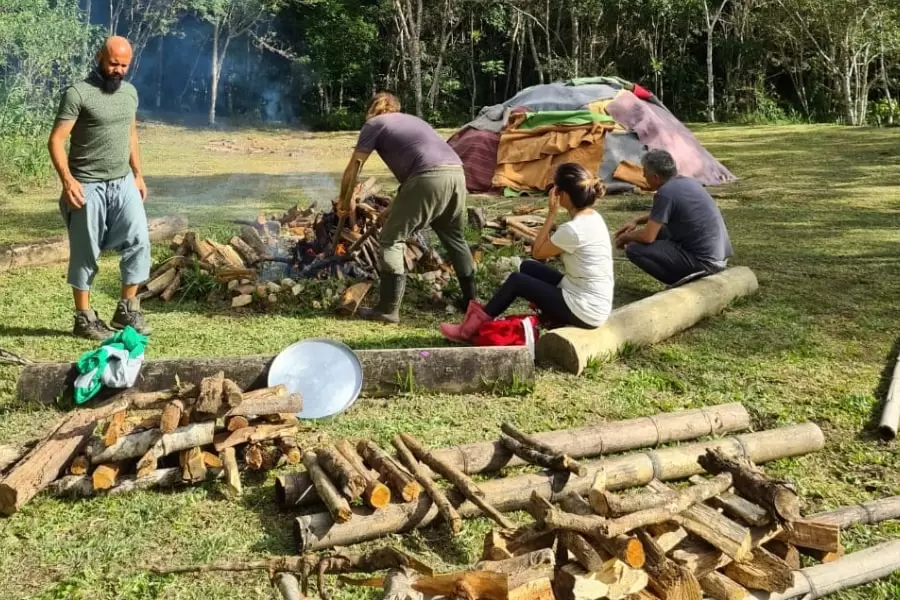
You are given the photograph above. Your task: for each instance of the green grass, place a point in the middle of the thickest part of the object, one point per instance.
(816, 215)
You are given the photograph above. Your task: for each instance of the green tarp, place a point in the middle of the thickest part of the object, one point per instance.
(563, 118)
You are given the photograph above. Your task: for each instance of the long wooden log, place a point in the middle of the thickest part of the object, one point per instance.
(850, 571)
(606, 438)
(317, 531)
(646, 321)
(545, 453)
(347, 479)
(779, 498)
(377, 495)
(268, 405)
(338, 507)
(56, 250)
(138, 444)
(459, 479)
(397, 477)
(74, 486)
(890, 415)
(439, 370)
(447, 510)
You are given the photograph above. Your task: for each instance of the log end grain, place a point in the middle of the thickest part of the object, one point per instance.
(633, 553)
(378, 495)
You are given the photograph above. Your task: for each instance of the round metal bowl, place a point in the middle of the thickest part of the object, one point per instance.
(327, 373)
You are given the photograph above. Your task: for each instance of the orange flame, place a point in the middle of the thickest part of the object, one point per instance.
(340, 250)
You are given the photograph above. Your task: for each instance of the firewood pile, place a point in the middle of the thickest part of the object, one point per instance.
(184, 435)
(271, 257)
(522, 226)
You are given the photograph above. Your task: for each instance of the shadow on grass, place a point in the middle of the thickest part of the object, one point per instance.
(33, 332)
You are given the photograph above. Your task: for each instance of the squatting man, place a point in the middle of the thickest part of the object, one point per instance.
(103, 193)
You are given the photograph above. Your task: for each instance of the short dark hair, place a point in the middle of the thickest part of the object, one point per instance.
(581, 186)
(659, 162)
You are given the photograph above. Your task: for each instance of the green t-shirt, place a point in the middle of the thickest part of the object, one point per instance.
(100, 141)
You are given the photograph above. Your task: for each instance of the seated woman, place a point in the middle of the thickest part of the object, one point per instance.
(583, 296)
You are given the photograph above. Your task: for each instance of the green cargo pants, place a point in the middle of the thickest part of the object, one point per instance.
(435, 198)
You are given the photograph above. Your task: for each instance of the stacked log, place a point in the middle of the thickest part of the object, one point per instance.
(521, 227)
(153, 440)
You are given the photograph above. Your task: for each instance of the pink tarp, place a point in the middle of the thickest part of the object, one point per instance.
(658, 128)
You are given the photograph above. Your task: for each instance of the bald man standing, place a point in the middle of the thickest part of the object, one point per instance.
(103, 187)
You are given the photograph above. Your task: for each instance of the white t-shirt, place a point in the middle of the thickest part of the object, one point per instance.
(587, 285)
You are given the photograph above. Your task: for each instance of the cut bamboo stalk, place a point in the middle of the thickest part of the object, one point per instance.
(668, 579)
(865, 513)
(317, 531)
(347, 479)
(463, 483)
(337, 505)
(233, 487)
(554, 457)
(720, 587)
(764, 571)
(138, 444)
(606, 438)
(779, 498)
(626, 548)
(890, 415)
(737, 507)
(398, 478)
(377, 495)
(447, 510)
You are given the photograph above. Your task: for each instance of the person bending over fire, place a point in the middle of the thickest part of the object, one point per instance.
(583, 296)
(103, 194)
(432, 193)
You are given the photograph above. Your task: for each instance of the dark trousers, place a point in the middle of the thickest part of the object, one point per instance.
(664, 259)
(537, 283)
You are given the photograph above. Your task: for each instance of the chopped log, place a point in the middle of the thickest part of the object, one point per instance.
(236, 423)
(232, 394)
(345, 477)
(720, 587)
(710, 525)
(171, 416)
(699, 557)
(764, 571)
(809, 533)
(353, 297)
(534, 584)
(114, 429)
(80, 465)
(613, 580)
(396, 476)
(503, 544)
(288, 586)
(779, 498)
(290, 450)
(581, 549)
(266, 392)
(252, 434)
(459, 479)
(822, 557)
(193, 467)
(468, 585)
(668, 535)
(172, 289)
(138, 444)
(209, 401)
(317, 530)
(517, 564)
(104, 476)
(608, 504)
(10, 454)
(157, 286)
(233, 487)
(668, 579)
(786, 552)
(446, 509)
(147, 464)
(211, 460)
(228, 254)
(737, 507)
(626, 548)
(559, 462)
(251, 237)
(246, 252)
(337, 505)
(852, 570)
(377, 495)
(267, 405)
(82, 487)
(551, 457)
(602, 527)
(865, 513)
(257, 457)
(760, 536)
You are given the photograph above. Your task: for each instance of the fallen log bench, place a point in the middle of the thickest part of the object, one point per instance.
(56, 250)
(385, 372)
(647, 321)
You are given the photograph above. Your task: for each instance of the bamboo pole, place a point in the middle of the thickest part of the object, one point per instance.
(866, 513)
(890, 417)
(582, 442)
(317, 531)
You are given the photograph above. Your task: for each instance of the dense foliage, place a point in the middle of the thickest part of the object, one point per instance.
(315, 62)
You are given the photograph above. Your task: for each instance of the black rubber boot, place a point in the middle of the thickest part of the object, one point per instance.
(391, 295)
(469, 291)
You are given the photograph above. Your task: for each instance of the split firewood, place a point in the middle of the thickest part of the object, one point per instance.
(254, 433)
(668, 535)
(209, 401)
(345, 477)
(699, 557)
(193, 467)
(460, 480)
(554, 462)
(258, 457)
(517, 564)
(157, 286)
(719, 587)
(104, 476)
(808, 533)
(786, 552)
(138, 444)
(290, 450)
(171, 263)
(582, 550)
(80, 465)
(171, 416)
(353, 297)
(819, 555)
(504, 544)
(211, 460)
(114, 429)
(237, 423)
(266, 392)
(446, 509)
(336, 504)
(10, 454)
(228, 254)
(737, 507)
(171, 289)
(394, 474)
(251, 237)
(626, 548)
(247, 253)
(614, 581)
(667, 578)
(233, 487)
(764, 572)
(232, 394)
(288, 586)
(377, 495)
(468, 585)
(779, 498)
(272, 404)
(710, 525)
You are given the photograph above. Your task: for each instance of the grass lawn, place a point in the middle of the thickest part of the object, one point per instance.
(816, 215)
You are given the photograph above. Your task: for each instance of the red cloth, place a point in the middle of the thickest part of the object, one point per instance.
(642, 92)
(508, 331)
(478, 151)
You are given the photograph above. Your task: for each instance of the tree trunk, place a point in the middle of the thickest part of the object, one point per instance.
(436, 77)
(549, 41)
(512, 54)
(887, 85)
(214, 75)
(576, 40)
(534, 53)
(472, 61)
(159, 72)
(710, 78)
(416, 57)
(87, 11)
